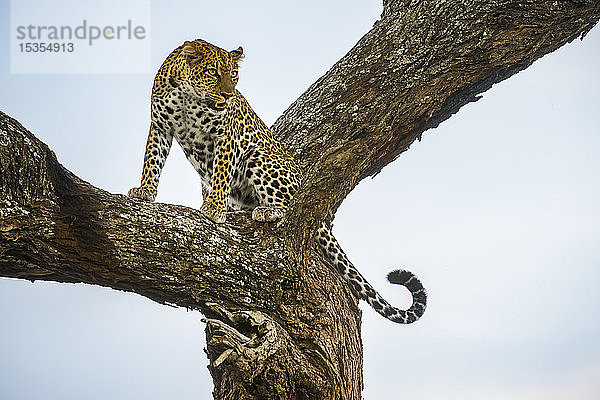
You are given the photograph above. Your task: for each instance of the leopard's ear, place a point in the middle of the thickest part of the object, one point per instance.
(191, 52)
(237, 54)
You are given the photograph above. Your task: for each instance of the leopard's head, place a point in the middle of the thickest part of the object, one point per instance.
(211, 71)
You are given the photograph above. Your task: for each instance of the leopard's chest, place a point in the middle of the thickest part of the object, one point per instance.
(195, 127)
(198, 130)
(198, 135)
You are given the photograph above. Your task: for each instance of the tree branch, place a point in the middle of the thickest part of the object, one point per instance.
(421, 62)
(54, 226)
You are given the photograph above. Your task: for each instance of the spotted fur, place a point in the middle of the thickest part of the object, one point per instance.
(241, 164)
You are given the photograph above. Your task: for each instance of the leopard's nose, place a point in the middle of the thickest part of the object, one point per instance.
(227, 87)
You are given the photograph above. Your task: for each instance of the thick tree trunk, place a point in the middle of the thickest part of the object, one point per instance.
(280, 323)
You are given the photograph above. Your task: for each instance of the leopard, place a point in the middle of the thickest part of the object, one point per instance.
(241, 163)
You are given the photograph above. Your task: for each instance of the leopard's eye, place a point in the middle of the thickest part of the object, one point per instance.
(234, 74)
(212, 72)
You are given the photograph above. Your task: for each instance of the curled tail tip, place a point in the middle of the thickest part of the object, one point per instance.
(400, 276)
(407, 279)
(414, 285)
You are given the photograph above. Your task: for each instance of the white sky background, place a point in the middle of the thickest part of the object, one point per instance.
(496, 211)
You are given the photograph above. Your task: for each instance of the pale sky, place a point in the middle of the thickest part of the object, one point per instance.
(496, 211)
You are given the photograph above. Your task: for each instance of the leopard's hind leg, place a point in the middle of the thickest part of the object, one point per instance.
(268, 213)
(274, 183)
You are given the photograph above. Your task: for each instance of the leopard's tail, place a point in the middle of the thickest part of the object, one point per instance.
(363, 289)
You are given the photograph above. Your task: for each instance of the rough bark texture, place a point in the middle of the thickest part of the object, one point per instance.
(280, 324)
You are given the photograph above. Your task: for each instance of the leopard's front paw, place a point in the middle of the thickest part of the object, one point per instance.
(211, 212)
(267, 213)
(142, 193)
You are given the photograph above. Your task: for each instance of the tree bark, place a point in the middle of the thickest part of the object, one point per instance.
(280, 323)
